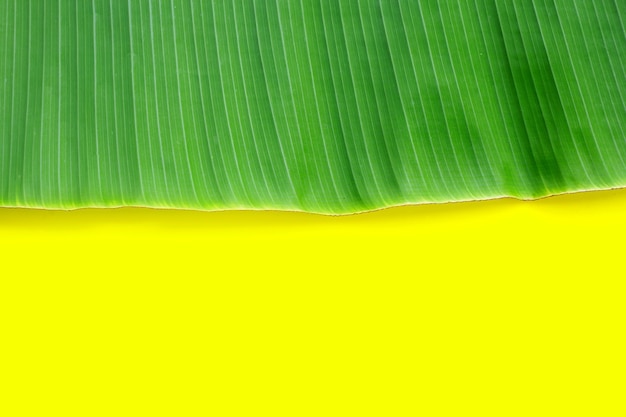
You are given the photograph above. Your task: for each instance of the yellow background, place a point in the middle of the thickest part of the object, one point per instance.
(497, 308)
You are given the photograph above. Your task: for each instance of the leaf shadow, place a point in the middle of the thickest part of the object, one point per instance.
(42, 219)
(241, 220)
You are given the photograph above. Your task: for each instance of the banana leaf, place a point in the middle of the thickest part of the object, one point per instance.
(329, 106)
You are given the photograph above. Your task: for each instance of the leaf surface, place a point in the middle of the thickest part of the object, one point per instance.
(332, 106)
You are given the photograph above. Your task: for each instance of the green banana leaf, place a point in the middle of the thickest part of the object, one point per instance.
(330, 106)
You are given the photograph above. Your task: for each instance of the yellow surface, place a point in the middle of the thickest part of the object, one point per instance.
(499, 308)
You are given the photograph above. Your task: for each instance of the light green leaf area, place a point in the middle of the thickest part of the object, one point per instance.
(331, 106)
